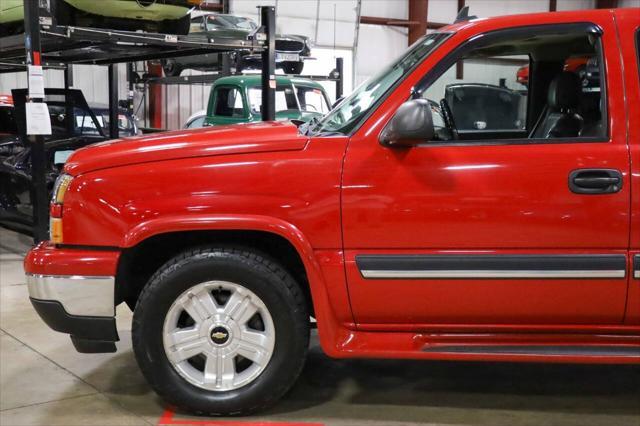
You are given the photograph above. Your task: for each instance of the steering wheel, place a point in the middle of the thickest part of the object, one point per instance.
(447, 116)
(307, 106)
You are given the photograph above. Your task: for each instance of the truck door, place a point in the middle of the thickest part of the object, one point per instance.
(518, 211)
(628, 21)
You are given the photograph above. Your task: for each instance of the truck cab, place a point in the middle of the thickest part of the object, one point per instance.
(238, 99)
(514, 236)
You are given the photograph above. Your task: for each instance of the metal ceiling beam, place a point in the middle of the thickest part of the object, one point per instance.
(418, 10)
(376, 20)
(213, 7)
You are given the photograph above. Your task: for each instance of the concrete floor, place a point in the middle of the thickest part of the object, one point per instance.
(43, 381)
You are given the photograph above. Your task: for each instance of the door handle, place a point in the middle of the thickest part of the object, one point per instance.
(595, 181)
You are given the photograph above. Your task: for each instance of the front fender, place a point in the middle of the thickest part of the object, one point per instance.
(331, 330)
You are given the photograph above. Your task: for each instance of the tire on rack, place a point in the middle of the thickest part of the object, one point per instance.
(293, 67)
(221, 310)
(171, 68)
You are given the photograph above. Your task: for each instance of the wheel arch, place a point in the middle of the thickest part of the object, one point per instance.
(149, 245)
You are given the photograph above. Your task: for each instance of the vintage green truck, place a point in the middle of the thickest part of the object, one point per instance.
(238, 99)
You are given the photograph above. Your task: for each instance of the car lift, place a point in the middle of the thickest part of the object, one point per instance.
(54, 46)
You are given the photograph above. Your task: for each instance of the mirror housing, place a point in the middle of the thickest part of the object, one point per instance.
(411, 125)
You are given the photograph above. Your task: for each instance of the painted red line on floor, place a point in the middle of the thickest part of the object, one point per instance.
(167, 419)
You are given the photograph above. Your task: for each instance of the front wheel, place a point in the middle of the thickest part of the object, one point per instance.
(221, 331)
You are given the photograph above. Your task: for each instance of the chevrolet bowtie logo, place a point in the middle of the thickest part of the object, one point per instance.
(219, 335)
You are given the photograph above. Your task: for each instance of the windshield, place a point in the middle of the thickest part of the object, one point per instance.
(352, 109)
(312, 99)
(291, 97)
(86, 126)
(285, 99)
(230, 21)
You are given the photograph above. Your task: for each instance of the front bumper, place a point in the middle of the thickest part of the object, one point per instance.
(71, 301)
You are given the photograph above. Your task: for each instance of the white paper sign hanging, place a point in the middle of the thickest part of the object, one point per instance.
(38, 121)
(36, 82)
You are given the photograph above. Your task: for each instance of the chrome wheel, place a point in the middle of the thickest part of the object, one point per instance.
(218, 335)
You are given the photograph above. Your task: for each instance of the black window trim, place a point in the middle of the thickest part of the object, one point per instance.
(638, 48)
(452, 57)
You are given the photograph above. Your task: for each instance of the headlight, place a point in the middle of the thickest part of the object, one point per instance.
(60, 188)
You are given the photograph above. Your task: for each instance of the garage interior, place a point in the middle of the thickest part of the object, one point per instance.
(44, 381)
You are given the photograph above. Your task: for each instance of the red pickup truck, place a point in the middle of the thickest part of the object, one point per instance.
(400, 234)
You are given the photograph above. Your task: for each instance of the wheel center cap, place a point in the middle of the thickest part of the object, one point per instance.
(219, 335)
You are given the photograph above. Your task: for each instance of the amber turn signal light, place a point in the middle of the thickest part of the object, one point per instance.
(55, 230)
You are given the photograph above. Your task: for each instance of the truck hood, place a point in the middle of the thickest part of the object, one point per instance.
(209, 141)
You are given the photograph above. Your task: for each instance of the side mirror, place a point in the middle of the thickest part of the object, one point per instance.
(412, 124)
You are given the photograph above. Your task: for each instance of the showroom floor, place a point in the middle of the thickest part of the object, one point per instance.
(44, 381)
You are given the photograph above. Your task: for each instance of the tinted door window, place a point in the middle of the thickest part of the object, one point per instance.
(229, 102)
(545, 87)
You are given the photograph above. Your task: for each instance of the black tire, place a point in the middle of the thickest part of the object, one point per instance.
(293, 67)
(280, 293)
(171, 68)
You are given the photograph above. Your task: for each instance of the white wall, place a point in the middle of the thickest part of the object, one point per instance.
(629, 3)
(52, 78)
(299, 17)
(576, 4)
(91, 79)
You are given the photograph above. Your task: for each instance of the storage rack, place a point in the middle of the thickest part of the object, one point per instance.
(336, 76)
(55, 46)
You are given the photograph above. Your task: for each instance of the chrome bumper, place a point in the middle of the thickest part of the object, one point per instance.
(258, 58)
(79, 295)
